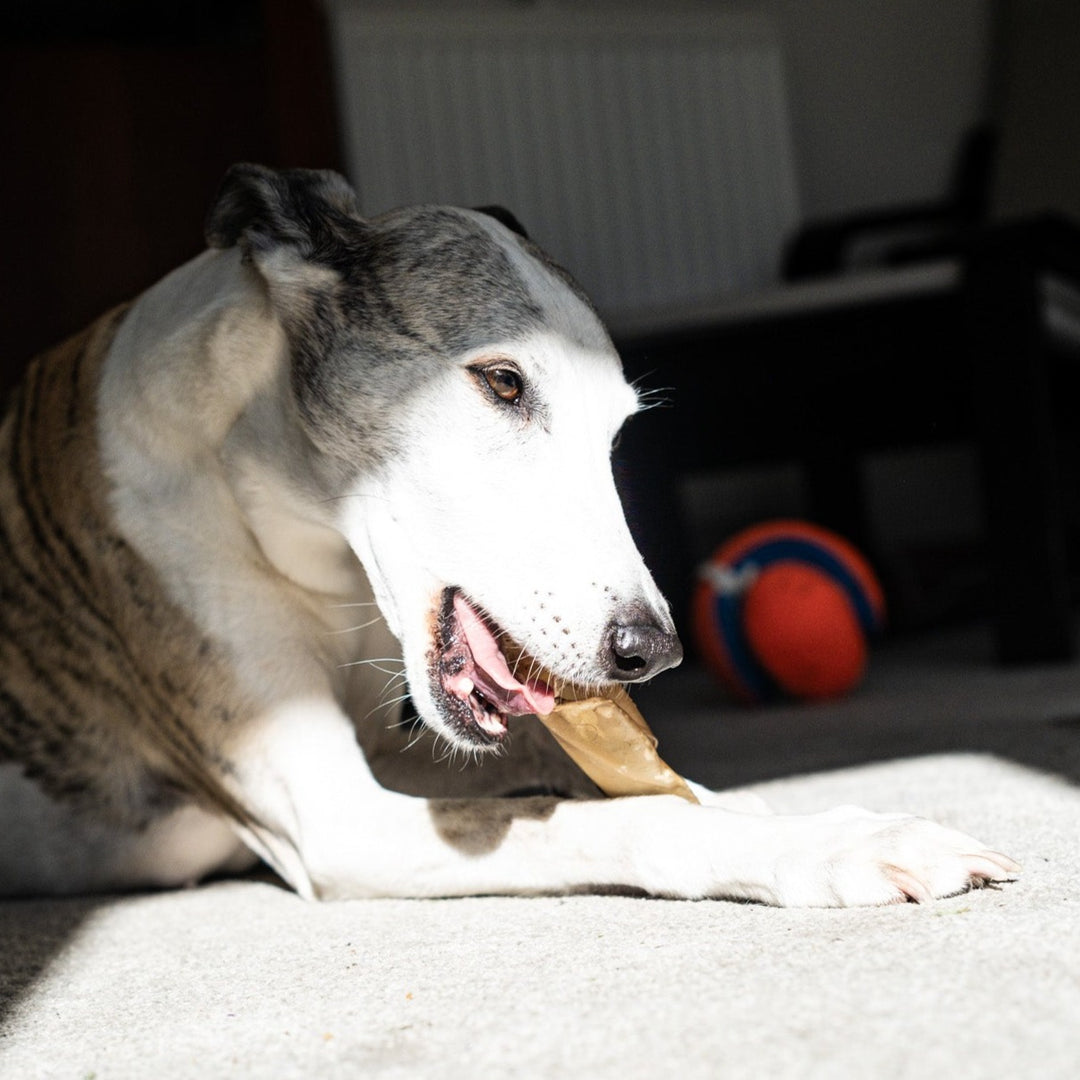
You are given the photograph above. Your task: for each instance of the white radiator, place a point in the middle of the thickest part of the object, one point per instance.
(648, 151)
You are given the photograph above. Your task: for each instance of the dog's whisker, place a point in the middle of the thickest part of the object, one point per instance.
(421, 731)
(394, 700)
(375, 664)
(379, 660)
(354, 603)
(354, 495)
(651, 397)
(406, 721)
(516, 669)
(399, 678)
(646, 403)
(354, 629)
(386, 706)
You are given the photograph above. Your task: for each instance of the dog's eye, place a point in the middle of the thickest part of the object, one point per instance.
(504, 382)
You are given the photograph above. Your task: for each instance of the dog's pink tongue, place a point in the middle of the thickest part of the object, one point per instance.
(521, 698)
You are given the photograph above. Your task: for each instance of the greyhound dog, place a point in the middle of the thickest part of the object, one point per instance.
(328, 456)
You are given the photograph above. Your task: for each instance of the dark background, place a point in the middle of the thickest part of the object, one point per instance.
(118, 119)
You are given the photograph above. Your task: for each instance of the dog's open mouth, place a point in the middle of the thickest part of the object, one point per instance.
(473, 677)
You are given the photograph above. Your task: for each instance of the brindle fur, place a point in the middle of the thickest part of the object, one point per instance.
(110, 697)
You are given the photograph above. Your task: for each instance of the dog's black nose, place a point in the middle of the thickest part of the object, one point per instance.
(640, 650)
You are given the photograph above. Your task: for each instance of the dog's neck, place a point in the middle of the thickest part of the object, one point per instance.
(194, 393)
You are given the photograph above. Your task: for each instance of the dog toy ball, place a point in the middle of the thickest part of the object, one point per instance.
(786, 608)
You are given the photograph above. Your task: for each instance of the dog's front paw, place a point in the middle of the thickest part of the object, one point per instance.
(740, 801)
(849, 857)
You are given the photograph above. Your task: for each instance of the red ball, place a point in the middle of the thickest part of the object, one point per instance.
(786, 608)
(804, 630)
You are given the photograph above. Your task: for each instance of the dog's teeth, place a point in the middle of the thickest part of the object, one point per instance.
(491, 723)
(462, 686)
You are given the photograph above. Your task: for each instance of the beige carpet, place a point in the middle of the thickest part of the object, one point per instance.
(239, 978)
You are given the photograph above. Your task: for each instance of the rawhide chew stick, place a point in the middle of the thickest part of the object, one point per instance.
(608, 739)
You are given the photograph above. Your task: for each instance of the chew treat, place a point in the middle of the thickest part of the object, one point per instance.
(608, 739)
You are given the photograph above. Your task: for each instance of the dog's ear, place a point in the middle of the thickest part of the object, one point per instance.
(502, 215)
(259, 209)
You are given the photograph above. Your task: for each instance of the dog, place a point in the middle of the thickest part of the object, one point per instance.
(328, 457)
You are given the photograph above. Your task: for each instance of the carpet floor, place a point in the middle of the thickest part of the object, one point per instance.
(241, 979)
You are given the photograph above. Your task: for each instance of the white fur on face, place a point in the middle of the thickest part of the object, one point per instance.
(513, 504)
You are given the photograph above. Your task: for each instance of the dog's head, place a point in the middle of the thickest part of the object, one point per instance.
(462, 397)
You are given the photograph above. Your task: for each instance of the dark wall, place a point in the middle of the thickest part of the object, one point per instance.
(117, 120)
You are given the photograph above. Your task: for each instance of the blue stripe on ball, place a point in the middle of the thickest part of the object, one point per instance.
(806, 551)
(757, 684)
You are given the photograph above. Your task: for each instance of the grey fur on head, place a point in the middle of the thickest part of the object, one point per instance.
(408, 293)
